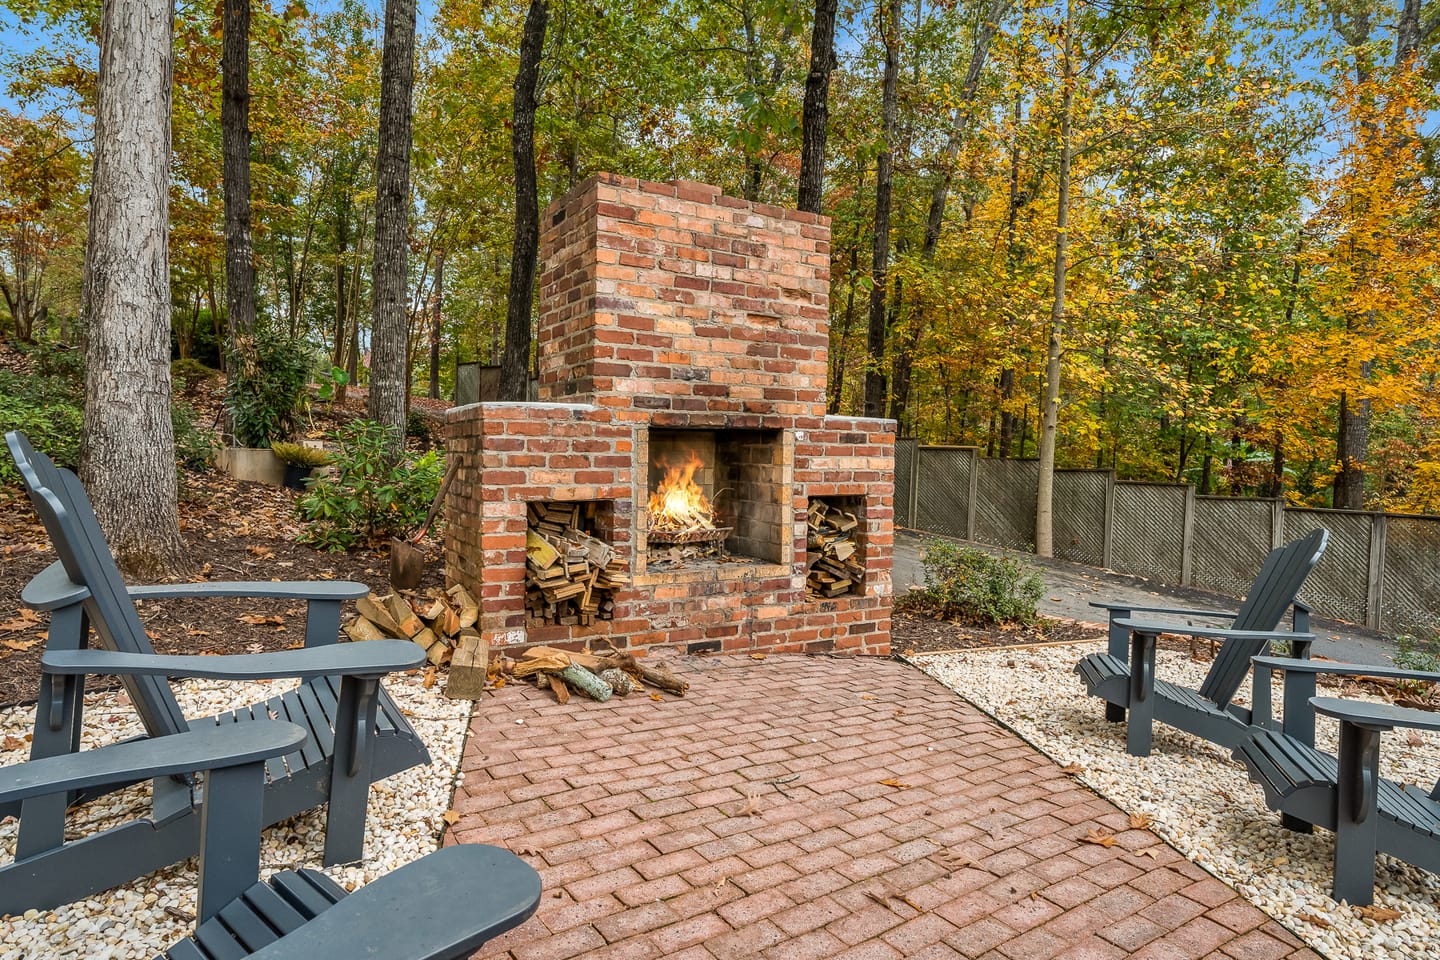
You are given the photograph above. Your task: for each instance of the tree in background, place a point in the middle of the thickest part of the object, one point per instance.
(127, 454)
(389, 353)
(235, 144)
(815, 116)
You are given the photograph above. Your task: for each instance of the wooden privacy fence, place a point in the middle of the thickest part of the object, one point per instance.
(1381, 569)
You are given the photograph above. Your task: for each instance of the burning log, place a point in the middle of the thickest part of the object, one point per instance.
(836, 563)
(570, 575)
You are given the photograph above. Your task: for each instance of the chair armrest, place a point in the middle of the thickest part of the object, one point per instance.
(1177, 611)
(410, 913)
(1292, 665)
(52, 589)
(1218, 633)
(287, 590)
(1375, 716)
(214, 748)
(374, 658)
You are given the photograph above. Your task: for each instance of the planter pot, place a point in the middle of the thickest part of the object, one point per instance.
(256, 464)
(295, 476)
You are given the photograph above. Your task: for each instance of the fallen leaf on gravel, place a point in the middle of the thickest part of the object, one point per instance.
(895, 782)
(1415, 740)
(1101, 836)
(11, 743)
(1320, 922)
(429, 680)
(1280, 861)
(274, 715)
(1072, 769)
(1140, 821)
(1378, 914)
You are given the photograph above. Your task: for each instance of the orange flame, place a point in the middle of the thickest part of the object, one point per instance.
(678, 505)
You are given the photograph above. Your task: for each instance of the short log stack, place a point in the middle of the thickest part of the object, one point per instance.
(570, 575)
(836, 565)
(437, 620)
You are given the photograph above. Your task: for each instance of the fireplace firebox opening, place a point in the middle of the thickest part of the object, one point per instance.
(716, 496)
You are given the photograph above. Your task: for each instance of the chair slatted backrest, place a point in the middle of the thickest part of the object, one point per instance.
(1270, 596)
(64, 509)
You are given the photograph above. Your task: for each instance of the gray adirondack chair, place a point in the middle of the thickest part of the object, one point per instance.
(1129, 683)
(1345, 794)
(356, 734)
(409, 914)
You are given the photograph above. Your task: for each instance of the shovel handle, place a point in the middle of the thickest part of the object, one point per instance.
(450, 471)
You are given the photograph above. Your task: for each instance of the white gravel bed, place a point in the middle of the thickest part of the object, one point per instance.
(138, 920)
(1201, 801)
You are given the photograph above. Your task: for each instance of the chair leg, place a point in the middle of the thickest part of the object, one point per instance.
(350, 769)
(229, 836)
(1117, 645)
(1357, 816)
(57, 733)
(1142, 695)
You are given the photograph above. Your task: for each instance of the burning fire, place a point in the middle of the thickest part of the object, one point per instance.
(678, 505)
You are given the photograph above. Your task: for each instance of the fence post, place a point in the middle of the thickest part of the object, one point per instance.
(973, 494)
(1375, 572)
(1107, 528)
(914, 505)
(1187, 536)
(1277, 522)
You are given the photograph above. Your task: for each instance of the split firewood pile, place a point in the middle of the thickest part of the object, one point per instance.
(598, 676)
(437, 620)
(836, 562)
(570, 575)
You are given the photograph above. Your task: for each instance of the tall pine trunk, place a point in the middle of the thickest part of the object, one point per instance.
(1050, 411)
(815, 115)
(436, 325)
(127, 453)
(235, 145)
(515, 367)
(875, 387)
(389, 366)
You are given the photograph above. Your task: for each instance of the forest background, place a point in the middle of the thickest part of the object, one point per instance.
(1204, 236)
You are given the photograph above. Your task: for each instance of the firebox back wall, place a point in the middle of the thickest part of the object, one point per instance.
(671, 307)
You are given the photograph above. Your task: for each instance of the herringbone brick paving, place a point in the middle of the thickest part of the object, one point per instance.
(750, 820)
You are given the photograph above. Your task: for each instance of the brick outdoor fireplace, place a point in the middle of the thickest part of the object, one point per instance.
(683, 340)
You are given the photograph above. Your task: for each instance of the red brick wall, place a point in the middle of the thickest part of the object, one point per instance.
(673, 306)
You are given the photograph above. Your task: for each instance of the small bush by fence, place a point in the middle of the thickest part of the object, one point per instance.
(1381, 570)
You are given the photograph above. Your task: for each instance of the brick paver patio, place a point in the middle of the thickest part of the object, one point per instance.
(750, 820)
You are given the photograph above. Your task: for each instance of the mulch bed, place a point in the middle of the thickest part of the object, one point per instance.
(914, 633)
(234, 531)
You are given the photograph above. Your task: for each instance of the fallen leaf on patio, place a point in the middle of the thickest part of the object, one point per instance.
(451, 817)
(1101, 837)
(867, 696)
(1152, 852)
(1140, 821)
(895, 782)
(654, 696)
(1378, 914)
(881, 899)
(757, 656)
(1072, 769)
(1320, 922)
(11, 743)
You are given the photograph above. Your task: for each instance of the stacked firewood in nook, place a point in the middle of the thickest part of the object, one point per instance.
(837, 563)
(570, 575)
(437, 620)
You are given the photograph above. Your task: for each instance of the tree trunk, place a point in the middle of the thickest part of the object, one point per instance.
(127, 453)
(515, 367)
(880, 261)
(1353, 437)
(389, 371)
(1050, 412)
(235, 144)
(436, 325)
(815, 115)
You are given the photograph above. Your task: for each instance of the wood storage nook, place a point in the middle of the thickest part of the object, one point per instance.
(678, 483)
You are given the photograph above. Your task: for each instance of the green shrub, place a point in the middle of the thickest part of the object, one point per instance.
(269, 375)
(419, 426)
(188, 375)
(368, 494)
(969, 584)
(49, 410)
(194, 446)
(1418, 653)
